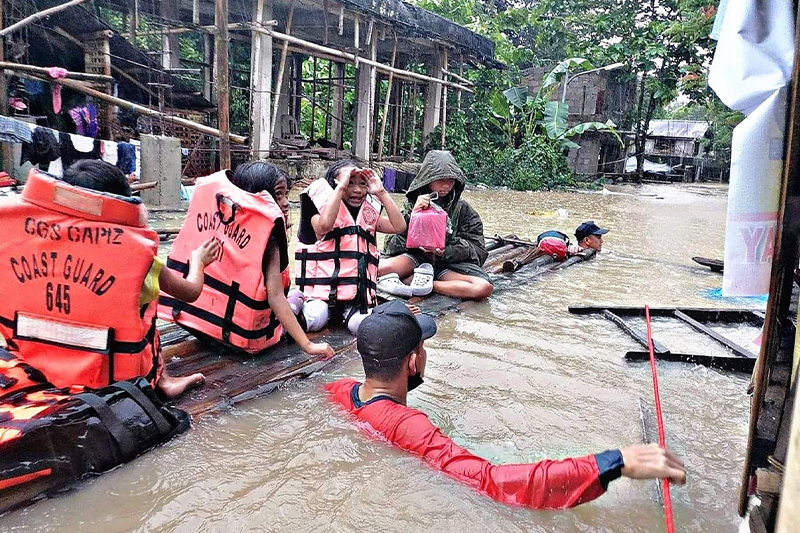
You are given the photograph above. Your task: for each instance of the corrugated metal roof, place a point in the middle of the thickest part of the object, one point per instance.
(685, 129)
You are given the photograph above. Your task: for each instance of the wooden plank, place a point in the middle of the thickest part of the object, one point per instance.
(702, 328)
(38, 16)
(722, 362)
(635, 333)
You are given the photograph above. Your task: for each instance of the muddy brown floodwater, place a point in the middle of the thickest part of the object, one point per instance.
(514, 379)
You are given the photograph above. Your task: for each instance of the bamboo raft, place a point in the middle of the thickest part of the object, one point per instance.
(235, 377)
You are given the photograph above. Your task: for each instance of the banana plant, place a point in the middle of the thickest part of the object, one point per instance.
(551, 116)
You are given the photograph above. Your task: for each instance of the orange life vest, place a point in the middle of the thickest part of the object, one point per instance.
(233, 306)
(342, 266)
(72, 265)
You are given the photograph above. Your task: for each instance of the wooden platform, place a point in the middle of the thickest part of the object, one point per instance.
(234, 377)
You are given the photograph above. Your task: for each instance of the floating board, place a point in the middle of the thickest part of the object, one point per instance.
(714, 264)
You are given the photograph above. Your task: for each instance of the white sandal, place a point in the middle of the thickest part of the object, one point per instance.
(422, 282)
(392, 284)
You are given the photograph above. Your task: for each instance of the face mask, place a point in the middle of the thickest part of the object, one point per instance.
(414, 381)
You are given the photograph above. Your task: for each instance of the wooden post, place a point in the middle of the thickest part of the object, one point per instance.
(413, 120)
(356, 36)
(313, 97)
(169, 42)
(97, 60)
(7, 150)
(386, 102)
(397, 115)
(281, 70)
(195, 11)
(338, 106)
(328, 101)
(444, 102)
(433, 98)
(460, 75)
(261, 83)
(208, 71)
(133, 19)
(223, 82)
(366, 100)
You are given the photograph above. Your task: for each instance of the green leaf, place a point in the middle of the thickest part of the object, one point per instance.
(555, 119)
(570, 144)
(517, 96)
(592, 126)
(554, 77)
(499, 104)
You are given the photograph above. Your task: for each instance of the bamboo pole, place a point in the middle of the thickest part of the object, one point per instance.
(223, 81)
(386, 102)
(414, 91)
(281, 68)
(460, 78)
(81, 88)
(460, 73)
(38, 16)
(400, 73)
(5, 148)
(444, 103)
(43, 71)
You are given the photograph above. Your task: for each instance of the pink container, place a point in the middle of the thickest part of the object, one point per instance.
(427, 228)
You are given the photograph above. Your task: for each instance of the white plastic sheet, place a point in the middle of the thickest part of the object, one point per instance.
(751, 71)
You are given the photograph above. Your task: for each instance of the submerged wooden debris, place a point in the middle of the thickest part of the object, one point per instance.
(741, 360)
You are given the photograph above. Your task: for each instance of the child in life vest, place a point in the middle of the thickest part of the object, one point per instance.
(104, 177)
(260, 176)
(336, 257)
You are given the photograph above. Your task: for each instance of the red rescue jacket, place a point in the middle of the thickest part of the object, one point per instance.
(233, 306)
(73, 263)
(543, 485)
(343, 265)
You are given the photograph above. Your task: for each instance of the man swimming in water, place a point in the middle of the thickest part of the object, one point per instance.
(391, 344)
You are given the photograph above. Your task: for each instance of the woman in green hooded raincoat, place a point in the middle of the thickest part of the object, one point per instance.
(457, 269)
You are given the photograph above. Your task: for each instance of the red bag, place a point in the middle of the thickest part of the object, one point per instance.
(555, 247)
(427, 228)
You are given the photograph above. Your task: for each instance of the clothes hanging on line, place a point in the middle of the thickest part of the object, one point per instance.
(85, 118)
(126, 158)
(70, 154)
(42, 150)
(14, 131)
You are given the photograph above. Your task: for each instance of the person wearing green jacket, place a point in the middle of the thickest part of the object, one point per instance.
(455, 270)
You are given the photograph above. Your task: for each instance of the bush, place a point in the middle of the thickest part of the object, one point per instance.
(537, 164)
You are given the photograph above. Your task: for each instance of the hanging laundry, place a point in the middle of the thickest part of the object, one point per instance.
(85, 118)
(389, 178)
(14, 131)
(109, 152)
(70, 153)
(126, 158)
(56, 73)
(42, 149)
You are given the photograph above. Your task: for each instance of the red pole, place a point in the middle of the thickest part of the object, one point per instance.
(660, 419)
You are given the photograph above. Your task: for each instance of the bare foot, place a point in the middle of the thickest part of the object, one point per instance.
(172, 387)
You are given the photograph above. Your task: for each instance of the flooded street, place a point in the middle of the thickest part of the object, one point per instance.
(515, 379)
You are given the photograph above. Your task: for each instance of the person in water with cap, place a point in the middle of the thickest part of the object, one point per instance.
(589, 235)
(391, 342)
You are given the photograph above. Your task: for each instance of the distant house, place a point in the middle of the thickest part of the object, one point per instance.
(596, 97)
(679, 144)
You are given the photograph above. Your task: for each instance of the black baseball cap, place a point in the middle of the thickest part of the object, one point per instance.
(589, 228)
(392, 331)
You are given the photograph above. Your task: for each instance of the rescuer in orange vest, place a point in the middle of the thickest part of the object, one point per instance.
(336, 256)
(100, 176)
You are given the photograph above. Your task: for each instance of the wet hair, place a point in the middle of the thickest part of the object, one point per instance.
(334, 169)
(257, 176)
(97, 175)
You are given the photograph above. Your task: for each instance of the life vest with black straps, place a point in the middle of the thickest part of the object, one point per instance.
(233, 307)
(72, 265)
(342, 266)
(51, 437)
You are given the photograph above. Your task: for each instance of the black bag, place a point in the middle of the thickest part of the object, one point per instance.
(52, 438)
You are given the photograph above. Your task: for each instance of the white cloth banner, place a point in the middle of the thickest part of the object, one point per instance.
(751, 70)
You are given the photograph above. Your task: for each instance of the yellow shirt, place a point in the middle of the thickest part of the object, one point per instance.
(150, 286)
